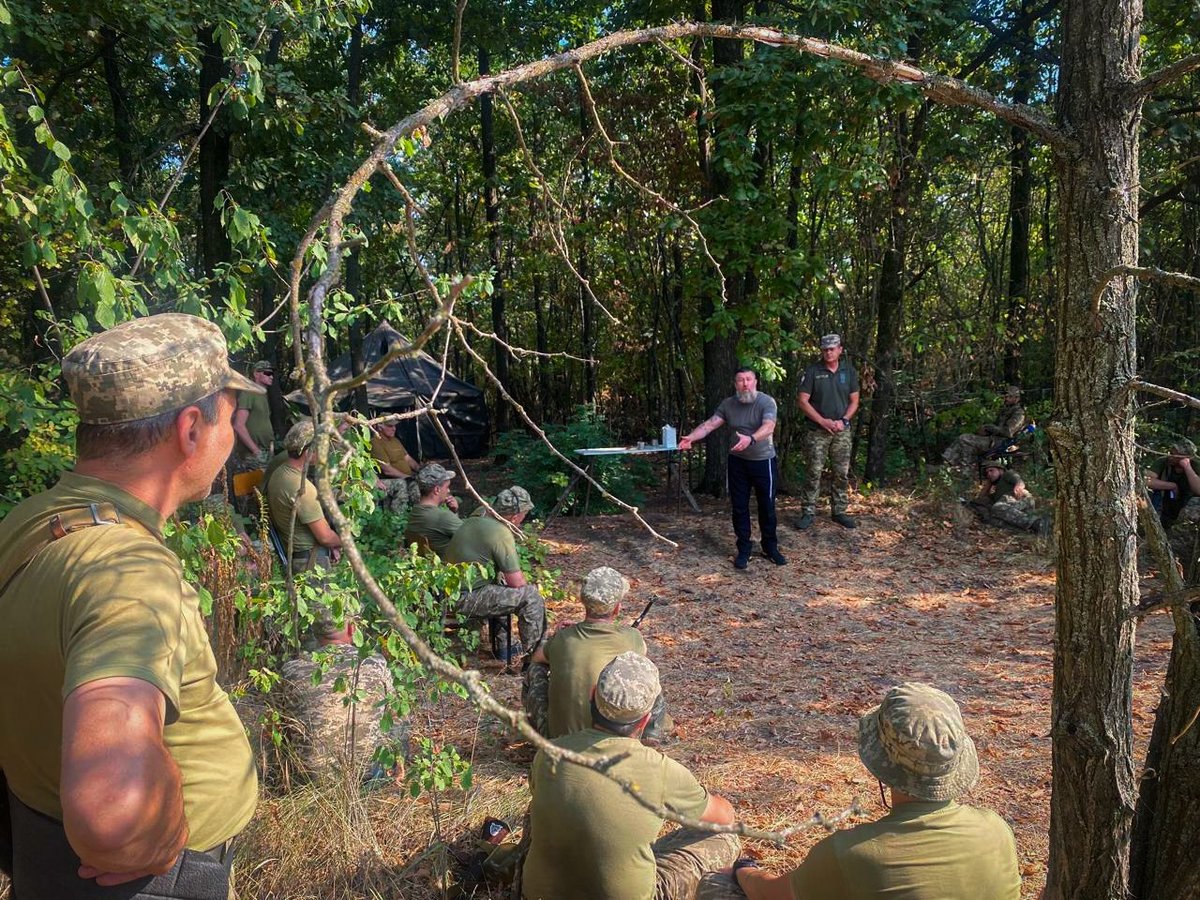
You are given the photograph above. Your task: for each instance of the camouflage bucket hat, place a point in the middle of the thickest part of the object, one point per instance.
(603, 590)
(149, 366)
(513, 500)
(915, 741)
(299, 436)
(627, 688)
(432, 474)
(831, 340)
(1183, 447)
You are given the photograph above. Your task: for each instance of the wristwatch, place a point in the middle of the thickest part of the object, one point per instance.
(745, 862)
(753, 440)
(845, 421)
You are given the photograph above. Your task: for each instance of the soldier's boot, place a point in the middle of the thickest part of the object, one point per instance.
(844, 520)
(805, 521)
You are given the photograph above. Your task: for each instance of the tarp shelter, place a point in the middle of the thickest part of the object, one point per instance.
(406, 382)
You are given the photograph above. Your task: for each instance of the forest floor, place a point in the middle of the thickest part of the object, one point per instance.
(766, 672)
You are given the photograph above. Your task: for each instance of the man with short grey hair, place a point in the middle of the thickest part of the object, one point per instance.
(929, 846)
(558, 685)
(589, 837)
(432, 520)
(488, 541)
(750, 415)
(126, 764)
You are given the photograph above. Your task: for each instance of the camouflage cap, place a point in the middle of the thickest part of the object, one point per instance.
(831, 340)
(1183, 447)
(263, 366)
(299, 436)
(149, 366)
(513, 500)
(431, 475)
(603, 590)
(627, 688)
(1012, 391)
(915, 741)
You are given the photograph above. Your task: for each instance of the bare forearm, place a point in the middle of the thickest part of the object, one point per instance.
(704, 429)
(809, 410)
(243, 435)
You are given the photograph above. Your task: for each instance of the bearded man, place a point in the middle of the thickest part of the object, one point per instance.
(751, 417)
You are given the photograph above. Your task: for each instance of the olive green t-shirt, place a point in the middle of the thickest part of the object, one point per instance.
(436, 524)
(1005, 486)
(919, 851)
(487, 541)
(576, 655)
(275, 462)
(389, 450)
(110, 601)
(259, 421)
(289, 490)
(590, 838)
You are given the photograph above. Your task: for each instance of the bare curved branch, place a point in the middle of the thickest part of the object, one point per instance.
(1148, 273)
(1167, 74)
(1166, 393)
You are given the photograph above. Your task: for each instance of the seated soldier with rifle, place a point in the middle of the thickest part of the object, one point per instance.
(969, 448)
(558, 685)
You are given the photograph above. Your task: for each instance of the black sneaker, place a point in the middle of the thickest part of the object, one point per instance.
(844, 520)
(805, 521)
(776, 557)
(742, 560)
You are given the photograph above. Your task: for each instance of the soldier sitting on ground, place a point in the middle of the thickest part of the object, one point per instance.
(1004, 499)
(589, 837)
(967, 450)
(1175, 492)
(558, 685)
(928, 847)
(292, 500)
(334, 738)
(433, 520)
(488, 541)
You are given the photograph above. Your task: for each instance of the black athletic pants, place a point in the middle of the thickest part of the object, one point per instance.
(762, 475)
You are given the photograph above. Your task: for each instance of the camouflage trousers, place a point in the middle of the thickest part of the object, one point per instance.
(535, 699)
(685, 856)
(244, 462)
(329, 735)
(820, 445)
(394, 497)
(969, 449)
(500, 600)
(1184, 539)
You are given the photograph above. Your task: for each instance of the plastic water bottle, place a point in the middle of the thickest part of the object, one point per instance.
(668, 437)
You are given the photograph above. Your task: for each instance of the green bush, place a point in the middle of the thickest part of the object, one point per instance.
(545, 476)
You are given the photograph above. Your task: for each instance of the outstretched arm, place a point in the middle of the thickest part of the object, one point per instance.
(700, 432)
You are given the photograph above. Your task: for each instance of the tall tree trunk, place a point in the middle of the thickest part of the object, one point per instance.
(491, 209)
(1092, 440)
(1020, 207)
(214, 154)
(907, 132)
(583, 262)
(123, 133)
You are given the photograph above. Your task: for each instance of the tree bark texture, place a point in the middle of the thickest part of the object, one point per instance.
(1020, 207)
(214, 153)
(1092, 439)
(123, 133)
(1166, 825)
(354, 64)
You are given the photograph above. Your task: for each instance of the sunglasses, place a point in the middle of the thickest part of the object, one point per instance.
(270, 372)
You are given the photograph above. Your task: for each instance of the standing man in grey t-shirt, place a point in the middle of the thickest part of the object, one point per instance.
(752, 462)
(829, 399)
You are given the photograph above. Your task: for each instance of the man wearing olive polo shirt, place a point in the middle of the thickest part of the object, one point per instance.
(119, 748)
(829, 399)
(252, 421)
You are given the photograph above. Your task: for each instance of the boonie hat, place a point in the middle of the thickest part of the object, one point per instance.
(627, 688)
(603, 589)
(1183, 447)
(915, 741)
(513, 500)
(299, 436)
(831, 340)
(263, 366)
(432, 474)
(149, 366)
